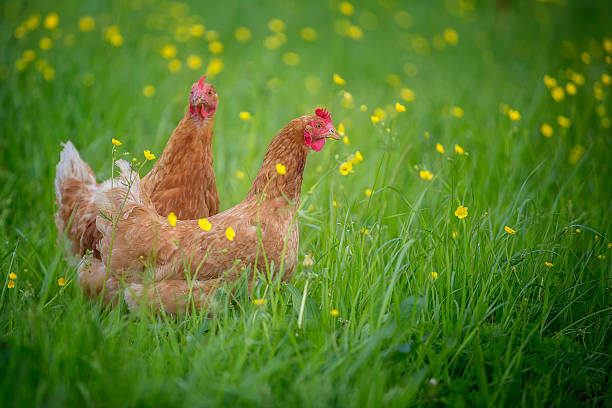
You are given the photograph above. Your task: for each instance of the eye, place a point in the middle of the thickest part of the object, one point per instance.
(209, 93)
(318, 126)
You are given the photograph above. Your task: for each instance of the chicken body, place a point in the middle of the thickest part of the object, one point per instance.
(182, 180)
(184, 258)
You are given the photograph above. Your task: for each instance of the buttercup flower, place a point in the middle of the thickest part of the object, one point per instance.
(459, 149)
(172, 219)
(433, 276)
(10, 284)
(546, 130)
(86, 23)
(548, 264)
(509, 230)
(242, 34)
(346, 168)
(61, 281)
(439, 148)
(12, 276)
(230, 234)
(260, 302)
(148, 91)
(334, 312)
(281, 169)
(245, 115)
(425, 174)
(368, 192)
(148, 155)
(204, 224)
(399, 107)
(461, 212)
(339, 80)
(116, 142)
(407, 94)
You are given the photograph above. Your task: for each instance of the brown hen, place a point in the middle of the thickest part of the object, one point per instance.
(182, 180)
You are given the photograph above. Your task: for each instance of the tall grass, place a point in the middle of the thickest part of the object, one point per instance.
(432, 309)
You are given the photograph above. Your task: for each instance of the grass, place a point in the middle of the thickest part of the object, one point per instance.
(496, 326)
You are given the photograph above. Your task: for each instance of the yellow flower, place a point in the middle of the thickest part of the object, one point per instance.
(570, 88)
(598, 91)
(32, 22)
(45, 43)
(407, 94)
(509, 230)
(585, 57)
(335, 204)
(10, 284)
(576, 154)
(12, 275)
(355, 32)
(548, 264)
(546, 130)
(272, 42)
(399, 107)
(172, 219)
(51, 21)
(425, 174)
(459, 149)
(346, 8)
(61, 282)
(514, 115)
(374, 119)
(245, 115)
(578, 231)
(577, 78)
(334, 312)
(281, 169)
(48, 73)
(345, 140)
(461, 212)
(363, 108)
(240, 175)
(564, 121)
(204, 224)
(148, 155)
(454, 234)
(308, 34)
(606, 79)
(457, 112)
(451, 36)
(358, 157)
(291, 59)
(558, 94)
(433, 276)
(346, 168)
(549, 81)
(215, 47)
(116, 142)
(242, 34)
(168, 51)
(174, 65)
(276, 25)
(148, 91)
(365, 231)
(194, 62)
(86, 24)
(368, 192)
(212, 35)
(214, 67)
(260, 302)
(339, 80)
(230, 234)
(341, 129)
(196, 30)
(439, 148)
(29, 55)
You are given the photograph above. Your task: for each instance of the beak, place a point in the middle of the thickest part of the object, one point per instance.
(332, 134)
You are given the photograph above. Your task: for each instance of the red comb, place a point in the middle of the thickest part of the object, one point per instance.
(201, 82)
(323, 114)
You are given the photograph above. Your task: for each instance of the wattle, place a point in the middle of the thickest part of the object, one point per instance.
(317, 145)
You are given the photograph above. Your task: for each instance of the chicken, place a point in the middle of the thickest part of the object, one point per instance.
(165, 265)
(181, 181)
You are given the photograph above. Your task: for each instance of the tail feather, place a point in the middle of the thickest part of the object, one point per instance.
(76, 213)
(71, 166)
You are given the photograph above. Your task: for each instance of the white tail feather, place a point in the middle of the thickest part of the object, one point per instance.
(71, 166)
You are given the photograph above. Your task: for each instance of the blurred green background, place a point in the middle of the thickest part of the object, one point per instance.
(499, 106)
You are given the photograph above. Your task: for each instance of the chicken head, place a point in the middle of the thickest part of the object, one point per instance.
(319, 129)
(203, 99)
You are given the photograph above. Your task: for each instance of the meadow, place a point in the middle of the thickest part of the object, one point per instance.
(460, 232)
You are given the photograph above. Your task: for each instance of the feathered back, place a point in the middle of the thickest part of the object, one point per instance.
(71, 166)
